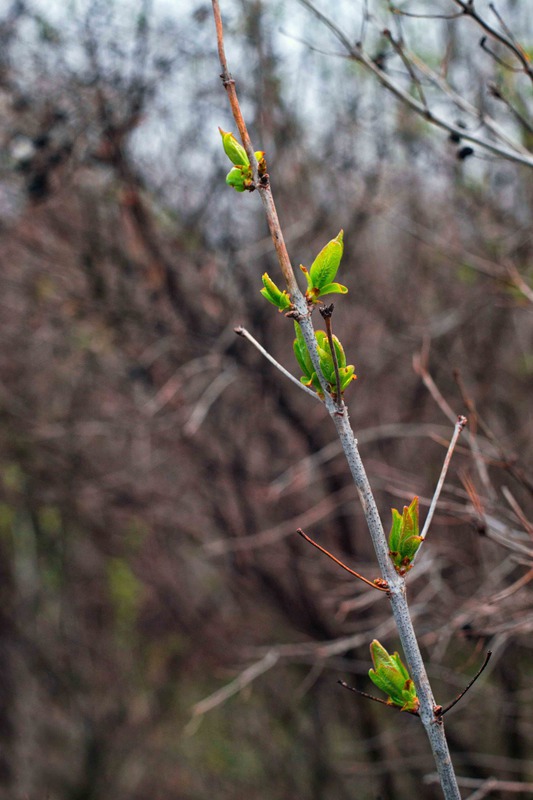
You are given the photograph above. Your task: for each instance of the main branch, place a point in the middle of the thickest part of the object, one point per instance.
(339, 413)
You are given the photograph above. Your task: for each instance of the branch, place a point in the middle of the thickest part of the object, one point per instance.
(440, 712)
(379, 585)
(340, 418)
(507, 41)
(240, 331)
(356, 53)
(459, 427)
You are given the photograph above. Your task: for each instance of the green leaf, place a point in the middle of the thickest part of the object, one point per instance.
(302, 354)
(404, 538)
(278, 298)
(308, 278)
(233, 149)
(339, 352)
(333, 288)
(347, 376)
(326, 264)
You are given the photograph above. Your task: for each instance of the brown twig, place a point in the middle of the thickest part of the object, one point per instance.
(382, 587)
(469, 10)
(327, 313)
(399, 49)
(401, 13)
(459, 427)
(357, 53)
(375, 699)
(440, 711)
(262, 184)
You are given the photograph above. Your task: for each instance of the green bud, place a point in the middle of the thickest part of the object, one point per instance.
(236, 179)
(404, 538)
(234, 150)
(274, 295)
(391, 676)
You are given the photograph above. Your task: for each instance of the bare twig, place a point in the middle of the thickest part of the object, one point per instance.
(399, 49)
(379, 587)
(375, 699)
(357, 53)
(511, 44)
(400, 12)
(459, 427)
(491, 783)
(237, 685)
(326, 314)
(440, 712)
(511, 499)
(211, 394)
(247, 335)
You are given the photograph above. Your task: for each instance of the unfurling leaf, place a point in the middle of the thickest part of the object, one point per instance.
(302, 355)
(320, 278)
(333, 288)
(270, 291)
(391, 676)
(326, 264)
(234, 150)
(404, 538)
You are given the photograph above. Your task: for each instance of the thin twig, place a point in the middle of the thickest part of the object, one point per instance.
(459, 427)
(484, 46)
(356, 53)
(374, 585)
(480, 116)
(442, 711)
(375, 699)
(326, 314)
(511, 499)
(401, 13)
(246, 677)
(210, 396)
(240, 331)
(399, 49)
(472, 783)
(470, 11)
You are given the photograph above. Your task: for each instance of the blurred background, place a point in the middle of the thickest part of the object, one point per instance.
(164, 633)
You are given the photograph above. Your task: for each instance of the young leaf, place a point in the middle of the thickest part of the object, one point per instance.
(404, 539)
(302, 354)
(347, 376)
(339, 352)
(308, 278)
(332, 288)
(326, 264)
(234, 150)
(274, 295)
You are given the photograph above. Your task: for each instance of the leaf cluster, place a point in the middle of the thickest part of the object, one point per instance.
(240, 176)
(391, 676)
(327, 365)
(404, 538)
